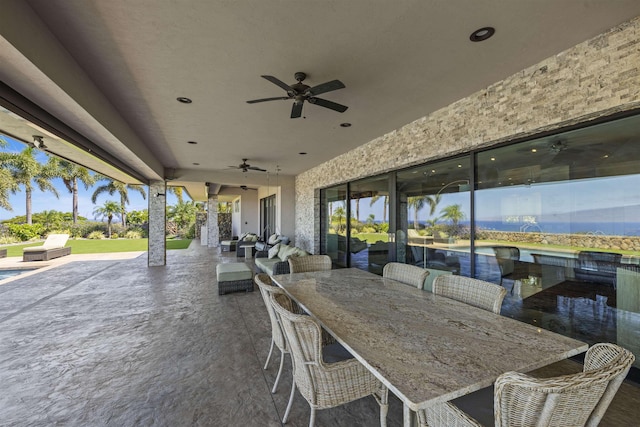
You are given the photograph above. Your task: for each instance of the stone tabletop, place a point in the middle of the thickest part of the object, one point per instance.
(426, 348)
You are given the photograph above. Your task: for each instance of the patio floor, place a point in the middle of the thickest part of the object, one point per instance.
(112, 342)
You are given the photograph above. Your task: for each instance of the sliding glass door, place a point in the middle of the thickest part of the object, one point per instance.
(268, 216)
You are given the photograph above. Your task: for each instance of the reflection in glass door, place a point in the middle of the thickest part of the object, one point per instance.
(369, 246)
(334, 214)
(433, 216)
(268, 216)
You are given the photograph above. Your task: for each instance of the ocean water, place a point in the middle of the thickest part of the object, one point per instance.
(608, 229)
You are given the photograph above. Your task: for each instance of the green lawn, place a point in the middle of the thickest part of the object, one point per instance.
(104, 246)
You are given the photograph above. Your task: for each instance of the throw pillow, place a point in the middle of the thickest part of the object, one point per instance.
(300, 252)
(282, 251)
(289, 252)
(273, 239)
(273, 252)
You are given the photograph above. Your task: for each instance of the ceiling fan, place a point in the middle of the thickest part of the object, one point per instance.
(245, 167)
(300, 92)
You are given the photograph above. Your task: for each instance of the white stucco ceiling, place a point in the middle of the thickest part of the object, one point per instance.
(122, 64)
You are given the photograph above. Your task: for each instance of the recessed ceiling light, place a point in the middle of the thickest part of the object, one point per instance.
(533, 150)
(459, 166)
(192, 142)
(482, 34)
(345, 125)
(184, 100)
(196, 164)
(493, 159)
(302, 153)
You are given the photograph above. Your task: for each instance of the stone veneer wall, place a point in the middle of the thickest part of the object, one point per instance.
(594, 79)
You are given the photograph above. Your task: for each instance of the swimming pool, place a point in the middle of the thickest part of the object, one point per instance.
(5, 274)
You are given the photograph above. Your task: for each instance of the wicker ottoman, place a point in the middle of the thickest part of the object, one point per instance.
(233, 277)
(228, 245)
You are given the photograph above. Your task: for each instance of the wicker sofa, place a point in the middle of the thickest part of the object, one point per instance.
(278, 262)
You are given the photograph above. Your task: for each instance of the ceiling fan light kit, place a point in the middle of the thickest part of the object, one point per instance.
(300, 92)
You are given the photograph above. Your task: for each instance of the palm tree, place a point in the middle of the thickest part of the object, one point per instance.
(384, 206)
(108, 210)
(454, 214)
(358, 209)
(7, 183)
(417, 203)
(71, 173)
(183, 214)
(433, 201)
(339, 216)
(370, 219)
(112, 186)
(26, 171)
(177, 191)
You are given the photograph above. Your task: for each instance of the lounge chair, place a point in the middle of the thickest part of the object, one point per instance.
(53, 247)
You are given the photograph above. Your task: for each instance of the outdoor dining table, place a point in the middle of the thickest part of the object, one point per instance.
(424, 347)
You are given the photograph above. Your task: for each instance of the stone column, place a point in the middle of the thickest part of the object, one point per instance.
(213, 233)
(157, 223)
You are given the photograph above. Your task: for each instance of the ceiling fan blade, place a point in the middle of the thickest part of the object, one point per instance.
(328, 104)
(268, 99)
(326, 87)
(255, 168)
(278, 82)
(296, 110)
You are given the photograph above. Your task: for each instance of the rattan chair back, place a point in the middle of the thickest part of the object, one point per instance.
(474, 292)
(405, 273)
(266, 289)
(324, 385)
(303, 264)
(574, 400)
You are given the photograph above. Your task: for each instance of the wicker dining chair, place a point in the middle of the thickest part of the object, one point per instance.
(324, 385)
(474, 292)
(303, 264)
(405, 273)
(567, 401)
(277, 335)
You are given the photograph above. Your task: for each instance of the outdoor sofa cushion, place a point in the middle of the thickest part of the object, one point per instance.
(279, 263)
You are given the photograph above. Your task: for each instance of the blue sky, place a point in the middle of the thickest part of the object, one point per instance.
(47, 201)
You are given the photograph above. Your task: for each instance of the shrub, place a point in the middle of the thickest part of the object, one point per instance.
(96, 235)
(84, 228)
(142, 231)
(25, 232)
(114, 235)
(116, 228)
(133, 234)
(191, 232)
(5, 240)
